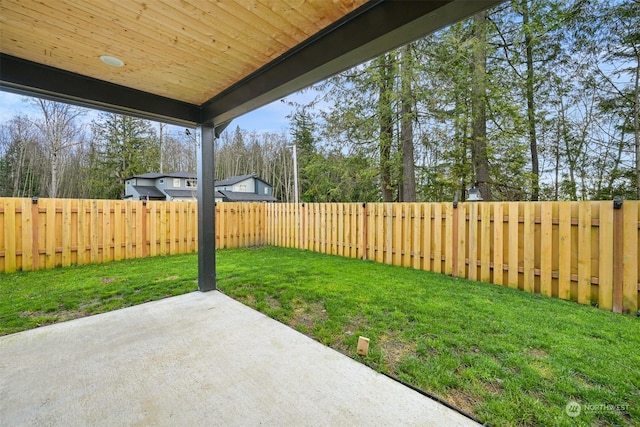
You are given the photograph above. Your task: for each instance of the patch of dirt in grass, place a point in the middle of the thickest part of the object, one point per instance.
(394, 349)
(493, 387)
(251, 300)
(308, 314)
(50, 317)
(248, 300)
(358, 322)
(538, 354)
(354, 325)
(171, 278)
(543, 370)
(462, 401)
(584, 382)
(108, 280)
(272, 302)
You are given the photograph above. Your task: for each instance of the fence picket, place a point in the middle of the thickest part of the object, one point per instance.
(584, 252)
(380, 235)
(82, 233)
(630, 259)
(473, 241)
(66, 232)
(26, 222)
(462, 240)
(498, 244)
(529, 247)
(10, 235)
(485, 243)
(416, 235)
(94, 232)
(565, 255)
(426, 226)
(513, 261)
(355, 231)
(437, 243)
(546, 248)
(108, 234)
(605, 252)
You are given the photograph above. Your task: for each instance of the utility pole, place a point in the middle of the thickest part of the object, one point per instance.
(161, 128)
(295, 173)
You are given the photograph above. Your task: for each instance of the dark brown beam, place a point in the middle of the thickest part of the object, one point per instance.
(33, 79)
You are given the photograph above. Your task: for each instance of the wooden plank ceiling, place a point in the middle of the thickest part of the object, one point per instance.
(200, 61)
(189, 50)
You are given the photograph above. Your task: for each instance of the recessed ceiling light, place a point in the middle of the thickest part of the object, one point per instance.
(112, 61)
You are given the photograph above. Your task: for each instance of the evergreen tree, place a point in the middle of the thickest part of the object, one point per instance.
(123, 146)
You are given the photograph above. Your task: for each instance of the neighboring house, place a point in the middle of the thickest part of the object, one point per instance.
(162, 186)
(184, 186)
(244, 188)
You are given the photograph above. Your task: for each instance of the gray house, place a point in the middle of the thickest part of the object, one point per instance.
(244, 188)
(161, 186)
(184, 186)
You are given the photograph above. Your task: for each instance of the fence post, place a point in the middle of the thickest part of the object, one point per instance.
(618, 220)
(364, 231)
(454, 240)
(35, 233)
(303, 223)
(143, 228)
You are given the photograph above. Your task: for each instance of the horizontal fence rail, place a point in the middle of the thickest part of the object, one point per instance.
(581, 251)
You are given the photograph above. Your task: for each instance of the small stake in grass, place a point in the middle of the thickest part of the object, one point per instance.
(363, 346)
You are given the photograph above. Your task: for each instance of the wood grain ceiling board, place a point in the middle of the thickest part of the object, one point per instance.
(188, 50)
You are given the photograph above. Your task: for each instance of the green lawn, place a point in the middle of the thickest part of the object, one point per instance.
(505, 356)
(37, 298)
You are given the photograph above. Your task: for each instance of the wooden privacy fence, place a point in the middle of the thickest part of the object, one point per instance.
(46, 233)
(582, 251)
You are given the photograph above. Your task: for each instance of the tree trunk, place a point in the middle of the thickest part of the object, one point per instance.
(160, 147)
(636, 122)
(478, 108)
(531, 112)
(386, 126)
(406, 123)
(557, 164)
(53, 188)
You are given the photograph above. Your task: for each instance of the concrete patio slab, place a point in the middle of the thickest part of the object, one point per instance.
(199, 359)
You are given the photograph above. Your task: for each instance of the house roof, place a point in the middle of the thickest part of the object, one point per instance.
(200, 61)
(181, 193)
(149, 191)
(238, 196)
(236, 179)
(156, 175)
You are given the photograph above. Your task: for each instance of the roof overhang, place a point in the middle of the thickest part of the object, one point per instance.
(369, 30)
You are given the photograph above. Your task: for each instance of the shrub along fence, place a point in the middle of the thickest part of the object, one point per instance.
(582, 251)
